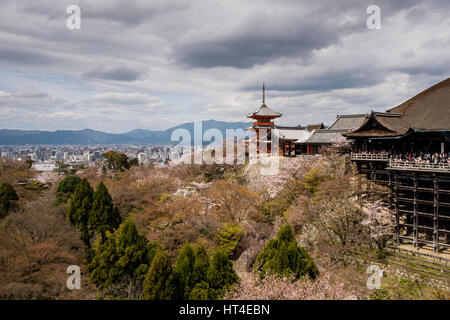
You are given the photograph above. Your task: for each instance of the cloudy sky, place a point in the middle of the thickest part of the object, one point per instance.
(153, 64)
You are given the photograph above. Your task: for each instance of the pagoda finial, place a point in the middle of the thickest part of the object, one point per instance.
(264, 94)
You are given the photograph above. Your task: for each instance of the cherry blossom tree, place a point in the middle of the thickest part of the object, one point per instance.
(379, 221)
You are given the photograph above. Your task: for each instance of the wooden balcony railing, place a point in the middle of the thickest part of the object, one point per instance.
(370, 156)
(262, 123)
(408, 165)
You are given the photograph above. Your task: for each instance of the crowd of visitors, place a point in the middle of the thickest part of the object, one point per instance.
(421, 158)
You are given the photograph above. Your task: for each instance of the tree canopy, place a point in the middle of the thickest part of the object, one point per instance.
(125, 254)
(282, 256)
(66, 188)
(104, 215)
(7, 194)
(116, 161)
(80, 206)
(158, 283)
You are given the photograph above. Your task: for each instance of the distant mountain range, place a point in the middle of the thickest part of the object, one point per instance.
(93, 137)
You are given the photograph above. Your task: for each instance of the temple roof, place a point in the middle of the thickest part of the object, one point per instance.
(348, 122)
(429, 110)
(315, 126)
(264, 111)
(297, 134)
(379, 124)
(324, 136)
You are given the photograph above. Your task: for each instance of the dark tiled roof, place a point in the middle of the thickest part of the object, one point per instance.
(264, 111)
(325, 136)
(429, 110)
(315, 126)
(381, 125)
(348, 122)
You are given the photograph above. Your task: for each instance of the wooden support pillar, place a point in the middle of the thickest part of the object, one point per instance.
(397, 222)
(416, 209)
(436, 214)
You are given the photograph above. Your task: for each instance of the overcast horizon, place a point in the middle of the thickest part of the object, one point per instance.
(156, 64)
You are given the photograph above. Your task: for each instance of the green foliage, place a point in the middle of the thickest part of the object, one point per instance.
(312, 180)
(104, 215)
(229, 238)
(201, 291)
(382, 255)
(201, 264)
(282, 256)
(66, 188)
(80, 205)
(133, 162)
(124, 254)
(221, 274)
(116, 161)
(184, 276)
(7, 194)
(158, 283)
(380, 294)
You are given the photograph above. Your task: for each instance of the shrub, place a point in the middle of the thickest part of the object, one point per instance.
(229, 238)
(282, 257)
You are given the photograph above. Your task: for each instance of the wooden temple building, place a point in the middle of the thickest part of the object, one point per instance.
(408, 148)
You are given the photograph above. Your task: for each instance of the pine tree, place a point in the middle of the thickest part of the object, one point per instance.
(104, 216)
(184, 277)
(134, 251)
(79, 209)
(201, 264)
(123, 255)
(66, 188)
(158, 283)
(221, 274)
(282, 256)
(7, 194)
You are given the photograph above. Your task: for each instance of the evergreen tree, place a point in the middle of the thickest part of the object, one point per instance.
(104, 215)
(229, 238)
(282, 256)
(184, 277)
(66, 188)
(123, 255)
(221, 274)
(158, 283)
(7, 194)
(79, 209)
(201, 264)
(201, 291)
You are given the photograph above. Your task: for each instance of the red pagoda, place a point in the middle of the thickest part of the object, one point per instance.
(263, 122)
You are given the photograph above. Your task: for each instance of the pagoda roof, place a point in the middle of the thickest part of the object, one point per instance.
(264, 112)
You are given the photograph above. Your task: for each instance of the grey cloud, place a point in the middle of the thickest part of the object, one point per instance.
(117, 73)
(26, 56)
(262, 38)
